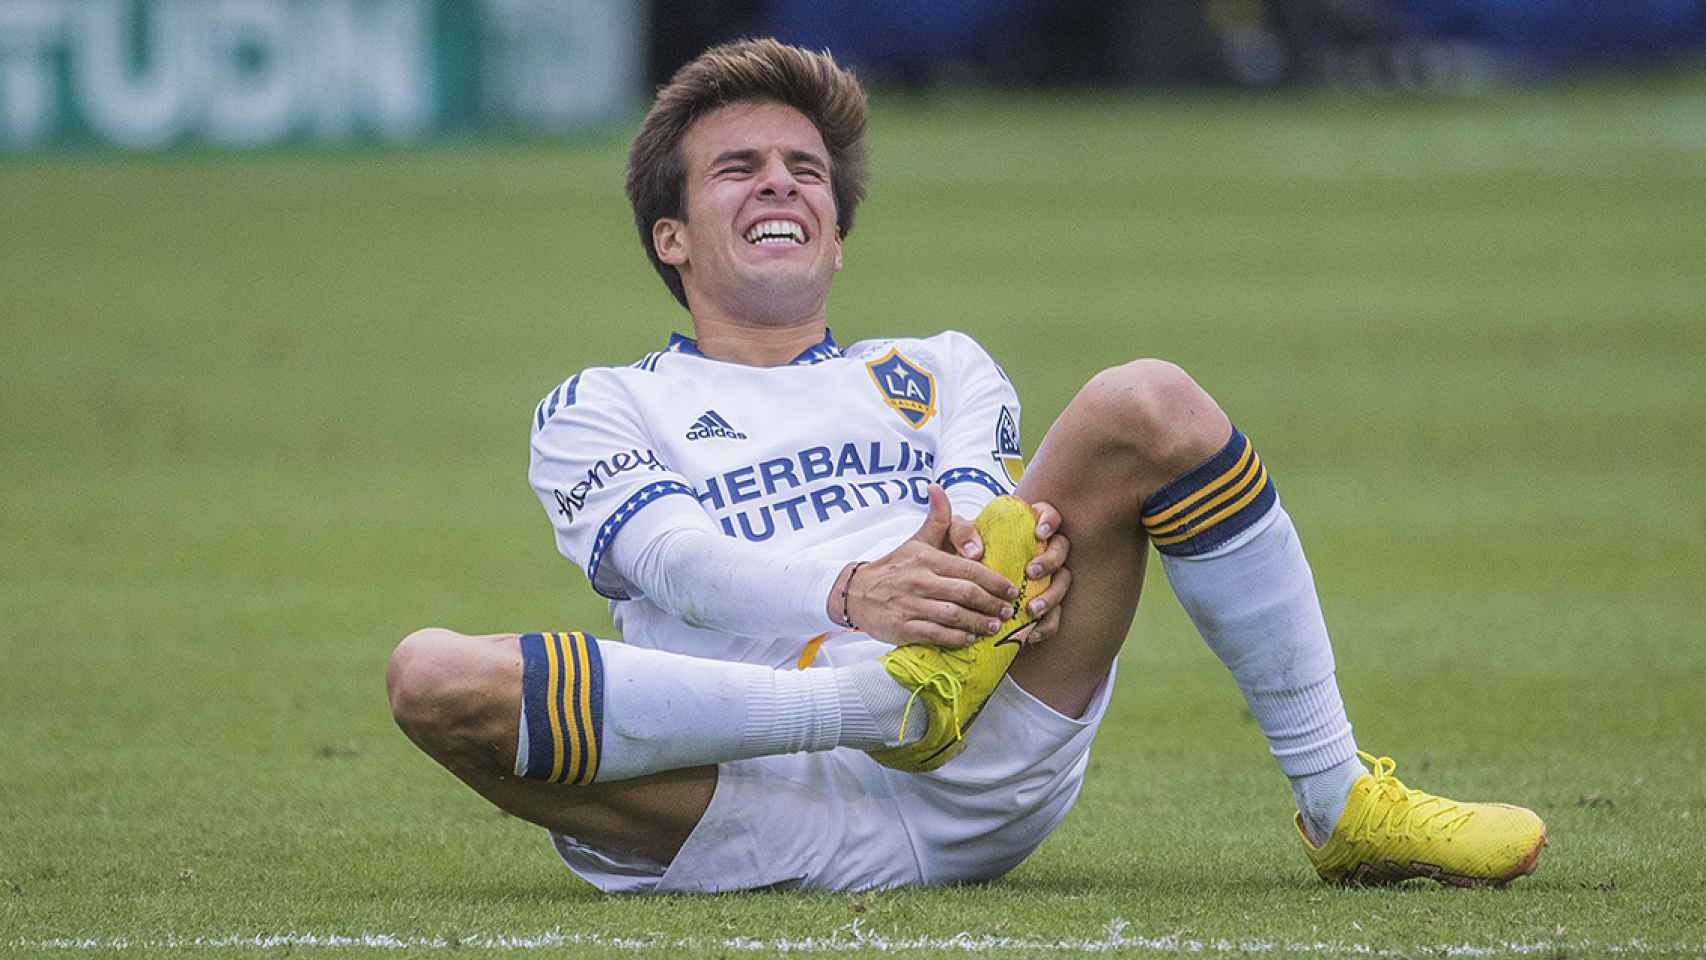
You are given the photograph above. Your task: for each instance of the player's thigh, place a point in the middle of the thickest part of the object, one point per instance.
(459, 698)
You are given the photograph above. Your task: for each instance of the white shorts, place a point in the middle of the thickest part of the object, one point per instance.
(837, 820)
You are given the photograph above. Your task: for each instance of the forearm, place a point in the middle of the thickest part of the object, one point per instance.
(719, 583)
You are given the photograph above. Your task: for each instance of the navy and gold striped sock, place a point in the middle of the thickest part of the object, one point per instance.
(1216, 501)
(562, 708)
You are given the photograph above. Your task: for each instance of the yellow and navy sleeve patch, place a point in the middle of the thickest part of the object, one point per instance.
(1211, 504)
(1008, 453)
(562, 708)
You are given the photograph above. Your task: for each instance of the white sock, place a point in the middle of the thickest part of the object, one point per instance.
(1253, 600)
(661, 711)
(1239, 572)
(1321, 796)
(872, 705)
(856, 706)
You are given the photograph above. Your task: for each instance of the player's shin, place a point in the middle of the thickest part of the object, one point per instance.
(601, 711)
(1233, 559)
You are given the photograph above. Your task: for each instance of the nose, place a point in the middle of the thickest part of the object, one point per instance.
(776, 181)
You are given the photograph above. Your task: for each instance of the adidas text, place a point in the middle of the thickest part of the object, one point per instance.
(711, 424)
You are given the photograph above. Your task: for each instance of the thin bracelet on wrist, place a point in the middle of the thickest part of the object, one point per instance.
(847, 587)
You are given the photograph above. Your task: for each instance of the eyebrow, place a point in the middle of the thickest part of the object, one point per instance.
(749, 155)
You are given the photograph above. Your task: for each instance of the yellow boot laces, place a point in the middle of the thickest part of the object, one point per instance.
(946, 685)
(1407, 812)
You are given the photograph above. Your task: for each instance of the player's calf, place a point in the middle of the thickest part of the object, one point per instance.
(1128, 432)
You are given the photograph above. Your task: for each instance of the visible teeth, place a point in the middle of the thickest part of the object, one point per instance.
(776, 231)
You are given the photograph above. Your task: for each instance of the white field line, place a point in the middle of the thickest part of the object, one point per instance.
(854, 938)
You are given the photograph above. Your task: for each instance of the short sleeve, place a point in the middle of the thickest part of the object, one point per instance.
(594, 468)
(979, 456)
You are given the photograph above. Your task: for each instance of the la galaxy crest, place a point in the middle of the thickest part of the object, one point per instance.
(905, 386)
(1007, 453)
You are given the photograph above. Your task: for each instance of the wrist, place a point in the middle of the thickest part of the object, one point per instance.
(838, 604)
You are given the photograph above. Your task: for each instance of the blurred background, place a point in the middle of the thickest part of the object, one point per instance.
(146, 74)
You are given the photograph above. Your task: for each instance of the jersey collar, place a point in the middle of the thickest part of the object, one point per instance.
(818, 352)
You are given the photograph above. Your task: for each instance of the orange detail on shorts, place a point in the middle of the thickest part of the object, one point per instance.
(810, 652)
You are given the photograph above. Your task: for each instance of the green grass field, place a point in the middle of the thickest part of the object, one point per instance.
(264, 415)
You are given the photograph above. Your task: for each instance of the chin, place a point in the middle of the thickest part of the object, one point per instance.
(791, 294)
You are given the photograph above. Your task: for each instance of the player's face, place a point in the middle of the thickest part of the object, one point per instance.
(759, 242)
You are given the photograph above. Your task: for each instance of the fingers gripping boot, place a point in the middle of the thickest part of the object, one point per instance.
(951, 685)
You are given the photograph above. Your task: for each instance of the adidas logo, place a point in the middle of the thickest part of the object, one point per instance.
(711, 424)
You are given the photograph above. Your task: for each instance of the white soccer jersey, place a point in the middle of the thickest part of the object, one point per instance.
(827, 457)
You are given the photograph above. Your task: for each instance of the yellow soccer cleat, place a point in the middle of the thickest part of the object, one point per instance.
(1390, 832)
(951, 684)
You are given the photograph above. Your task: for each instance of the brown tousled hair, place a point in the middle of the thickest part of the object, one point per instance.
(745, 71)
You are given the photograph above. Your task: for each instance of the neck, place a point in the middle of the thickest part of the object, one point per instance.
(768, 345)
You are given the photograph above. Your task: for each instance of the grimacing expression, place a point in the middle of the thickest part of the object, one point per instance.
(760, 236)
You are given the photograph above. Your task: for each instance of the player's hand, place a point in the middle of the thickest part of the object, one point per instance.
(1050, 562)
(923, 591)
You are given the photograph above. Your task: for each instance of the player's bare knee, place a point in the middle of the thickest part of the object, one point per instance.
(430, 683)
(1155, 410)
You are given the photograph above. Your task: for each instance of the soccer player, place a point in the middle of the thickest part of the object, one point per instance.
(829, 677)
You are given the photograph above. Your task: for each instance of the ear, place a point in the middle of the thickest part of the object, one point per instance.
(838, 248)
(669, 239)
